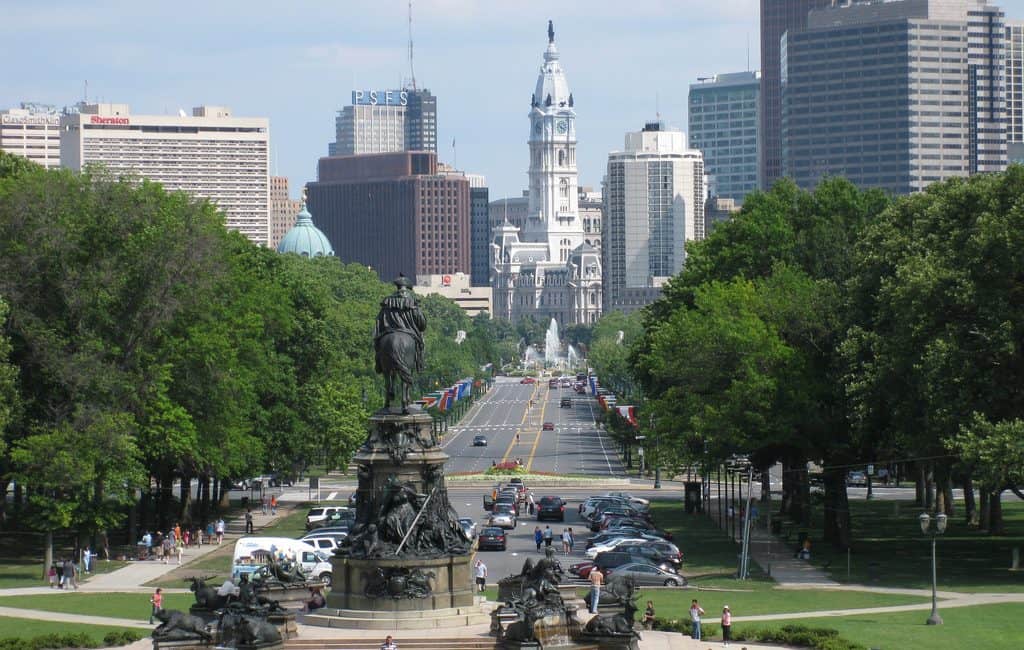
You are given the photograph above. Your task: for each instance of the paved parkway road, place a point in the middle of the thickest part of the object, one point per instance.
(514, 430)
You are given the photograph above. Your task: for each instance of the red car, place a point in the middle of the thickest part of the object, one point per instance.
(548, 426)
(527, 380)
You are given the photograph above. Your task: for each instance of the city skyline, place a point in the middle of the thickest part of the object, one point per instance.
(298, 65)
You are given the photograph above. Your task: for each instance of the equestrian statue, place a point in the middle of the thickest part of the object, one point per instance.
(398, 340)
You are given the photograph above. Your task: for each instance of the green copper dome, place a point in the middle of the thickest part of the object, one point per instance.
(305, 239)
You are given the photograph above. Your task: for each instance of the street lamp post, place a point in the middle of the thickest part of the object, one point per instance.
(936, 530)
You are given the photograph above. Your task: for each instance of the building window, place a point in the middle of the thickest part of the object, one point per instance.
(563, 187)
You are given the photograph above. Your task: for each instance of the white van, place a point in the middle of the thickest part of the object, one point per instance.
(251, 554)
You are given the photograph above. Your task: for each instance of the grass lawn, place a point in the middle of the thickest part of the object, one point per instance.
(22, 628)
(674, 603)
(27, 572)
(130, 606)
(992, 627)
(707, 550)
(889, 549)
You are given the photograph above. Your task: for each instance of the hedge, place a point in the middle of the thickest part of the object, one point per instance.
(798, 636)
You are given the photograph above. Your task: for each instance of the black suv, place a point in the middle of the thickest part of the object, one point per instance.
(565, 403)
(551, 508)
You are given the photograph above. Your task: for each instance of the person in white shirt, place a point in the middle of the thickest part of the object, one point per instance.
(481, 574)
(389, 644)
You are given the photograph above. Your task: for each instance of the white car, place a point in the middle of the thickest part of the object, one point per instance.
(610, 546)
(637, 502)
(325, 543)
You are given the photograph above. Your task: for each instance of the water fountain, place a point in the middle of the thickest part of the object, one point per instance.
(552, 345)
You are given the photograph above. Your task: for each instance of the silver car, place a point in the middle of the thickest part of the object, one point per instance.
(503, 516)
(648, 575)
(468, 527)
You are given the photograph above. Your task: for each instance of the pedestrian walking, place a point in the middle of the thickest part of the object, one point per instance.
(177, 532)
(649, 616)
(51, 576)
(248, 521)
(695, 613)
(179, 549)
(157, 602)
(549, 536)
(538, 537)
(209, 532)
(186, 536)
(70, 575)
(572, 540)
(726, 625)
(565, 541)
(60, 574)
(273, 504)
(596, 580)
(87, 556)
(481, 575)
(166, 548)
(264, 503)
(533, 504)
(219, 528)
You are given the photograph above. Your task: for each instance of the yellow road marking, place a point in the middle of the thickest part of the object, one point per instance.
(512, 443)
(536, 441)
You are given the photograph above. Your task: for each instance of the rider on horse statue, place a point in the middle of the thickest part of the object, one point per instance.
(399, 315)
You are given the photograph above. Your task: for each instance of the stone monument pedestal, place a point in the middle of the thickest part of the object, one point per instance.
(451, 584)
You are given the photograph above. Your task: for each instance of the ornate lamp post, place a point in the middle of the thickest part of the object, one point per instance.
(939, 528)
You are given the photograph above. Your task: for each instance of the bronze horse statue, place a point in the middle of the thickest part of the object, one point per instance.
(398, 341)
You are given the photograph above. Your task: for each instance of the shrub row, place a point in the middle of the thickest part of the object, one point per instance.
(798, 636)
(79, 640)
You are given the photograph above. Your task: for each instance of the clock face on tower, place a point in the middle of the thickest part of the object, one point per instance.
(562, 126)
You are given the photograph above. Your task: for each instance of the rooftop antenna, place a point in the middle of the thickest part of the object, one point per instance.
(412, 71)
(748, 51)
(657, 106)
(85, 92)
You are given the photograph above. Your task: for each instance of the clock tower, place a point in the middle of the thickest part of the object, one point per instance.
(553, 213)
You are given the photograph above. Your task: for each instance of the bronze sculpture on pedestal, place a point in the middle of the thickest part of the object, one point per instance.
(398, 340)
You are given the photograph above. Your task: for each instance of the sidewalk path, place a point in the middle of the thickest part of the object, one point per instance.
(64, 617)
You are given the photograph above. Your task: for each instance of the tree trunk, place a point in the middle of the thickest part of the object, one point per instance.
(4, 484)
(837, 509)
(166, 487)
(766, 485)
(970, 506)
(19, 497)
(225, 497)
(204, 499)
(943, 489)
(947, 494)
(133, 519)
(185, 496)
(920, 486)
(929, 488)
(47, 552)
(986, 511)
(995, 504)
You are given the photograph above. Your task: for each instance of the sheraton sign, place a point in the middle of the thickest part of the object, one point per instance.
(99, 119)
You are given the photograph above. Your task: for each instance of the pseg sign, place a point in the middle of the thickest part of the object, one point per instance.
(380, 98)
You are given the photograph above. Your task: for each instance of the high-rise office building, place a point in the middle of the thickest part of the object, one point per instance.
(1015, 91)
(895, 95)
(654, 199)
(382, 121)
(32, 131)
(210, 154)
(777, 16)
(723, 125)
(512, 210)
(479, 218)
(282, 210)
(545, 269)
(394, 212)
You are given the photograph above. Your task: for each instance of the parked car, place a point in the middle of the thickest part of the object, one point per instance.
(647, 575)
(325, 543)
(479, 441)
(593, 551)
(612, 559)
(551, 508)
(510, 501)
(579, 567)
(637, 502)
(491, 538)
(280, 479)
(606, 536)
(337, 531)
(468, 527)
(340, 517)
(317, 516)
(654, 552)
(857, 478)
(503, 516)
(548, 426)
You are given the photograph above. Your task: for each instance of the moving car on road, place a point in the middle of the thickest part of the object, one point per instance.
(491, 538)
(479, 441)
(503, 516)
(548, 426)
(566, 403)
(527, 380)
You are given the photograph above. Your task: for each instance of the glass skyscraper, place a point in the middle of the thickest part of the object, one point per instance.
(723, 125)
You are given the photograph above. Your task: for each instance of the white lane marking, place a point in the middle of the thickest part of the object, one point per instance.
(590, 404)
(330, 497)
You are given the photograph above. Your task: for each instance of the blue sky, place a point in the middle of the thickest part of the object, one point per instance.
(297, 62)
